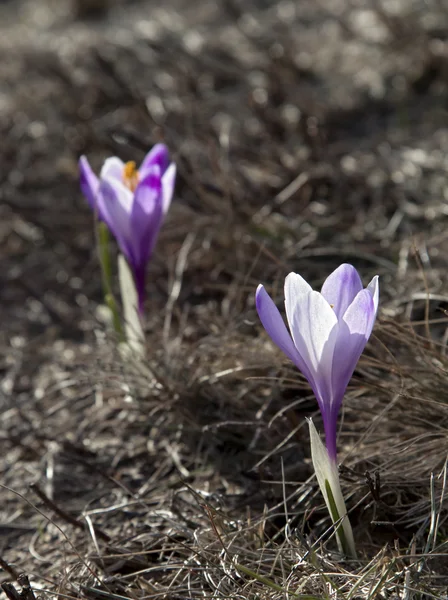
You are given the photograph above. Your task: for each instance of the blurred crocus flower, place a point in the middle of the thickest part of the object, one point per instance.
(329, 330)
(132, 203)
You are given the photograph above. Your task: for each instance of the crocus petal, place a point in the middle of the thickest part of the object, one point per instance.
(113, 168)
(355, 328)
(145, 221)
(114, 203)
(341, 287)
(158, 155)
(89, 183)
(353, 332)
(123, 194)
(168, 182)
(275, 327)
(146, 215)
(360, 315)
(312, 322)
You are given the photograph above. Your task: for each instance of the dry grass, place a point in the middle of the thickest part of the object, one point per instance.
(306, 136)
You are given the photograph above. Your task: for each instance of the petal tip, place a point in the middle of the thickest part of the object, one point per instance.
(374, 290)
(84, 166)
(260, 294)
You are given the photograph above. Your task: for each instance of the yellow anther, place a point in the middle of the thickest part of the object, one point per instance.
(130, 175)
(331, 305)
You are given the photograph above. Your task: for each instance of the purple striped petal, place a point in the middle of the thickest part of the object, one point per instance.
(89, 183)
(145, 222)
(341, 287)
(158, 155)
(355, 328)
(146, 215)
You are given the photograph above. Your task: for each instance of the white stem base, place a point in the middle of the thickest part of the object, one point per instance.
(328, 478)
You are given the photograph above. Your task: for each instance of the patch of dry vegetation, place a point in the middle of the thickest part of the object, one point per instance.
(306, 136)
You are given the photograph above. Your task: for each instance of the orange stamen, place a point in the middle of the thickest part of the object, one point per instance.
(130, 175)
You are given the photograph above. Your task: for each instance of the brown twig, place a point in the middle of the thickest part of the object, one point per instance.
(26, 592)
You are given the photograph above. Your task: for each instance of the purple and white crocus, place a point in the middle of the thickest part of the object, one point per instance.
(329, 330)
(132, 203)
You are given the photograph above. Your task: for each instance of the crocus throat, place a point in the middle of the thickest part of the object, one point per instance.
(130, 175)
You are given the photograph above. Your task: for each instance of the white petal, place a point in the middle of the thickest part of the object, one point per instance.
(112, 169)
(112, 202)
(313, 326)
(124, 194)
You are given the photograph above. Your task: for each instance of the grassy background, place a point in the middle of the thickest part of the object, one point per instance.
(306, 134)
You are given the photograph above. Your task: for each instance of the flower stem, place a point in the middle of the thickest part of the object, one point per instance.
(103, 237)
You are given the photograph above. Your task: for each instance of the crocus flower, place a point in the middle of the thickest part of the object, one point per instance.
(133, 203)
(329, 330)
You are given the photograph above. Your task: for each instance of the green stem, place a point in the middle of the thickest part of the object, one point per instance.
(103, 237)
(113, 307)
(104, 256)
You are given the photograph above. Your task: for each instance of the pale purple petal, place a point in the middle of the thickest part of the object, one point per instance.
(275, 327)
(113, 168)
(341, 287)
(158, 155)
(353, 332)
(113, 203)
(360, 315)
(355, 328)
(168, 182)
(123, 194)
(89, 183)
